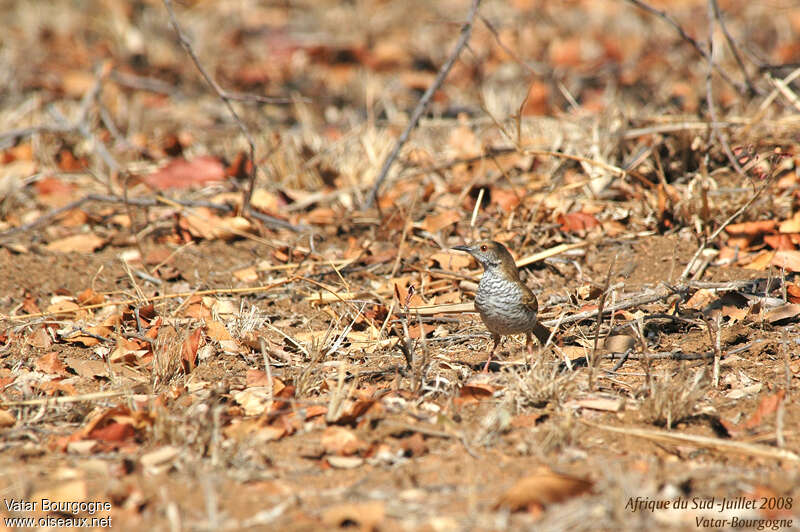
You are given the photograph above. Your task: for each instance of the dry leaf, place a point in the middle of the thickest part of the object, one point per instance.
(180, 173)
(50, 363)
(600, 403)
(752, 229)
(209, 226)
(577, 221)
(189, 350)
(246, 275)
(473, 393)
(366, 516)
(788, 259)
(344, 462)
(542, 488)
(783, 312)
(341, 441)
(452, 261)
(7, 419)
(83, 243)
(768, 405)
(436, 222)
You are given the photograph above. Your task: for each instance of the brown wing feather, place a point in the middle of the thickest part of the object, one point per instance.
(541, 332)
(529, 299)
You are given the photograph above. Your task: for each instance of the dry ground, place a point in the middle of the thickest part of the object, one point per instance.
(307, 371)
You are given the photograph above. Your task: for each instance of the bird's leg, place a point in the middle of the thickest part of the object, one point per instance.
(496, 338)
(529, 349)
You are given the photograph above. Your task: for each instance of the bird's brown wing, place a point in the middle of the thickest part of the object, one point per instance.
(529, 299)
(541, 332)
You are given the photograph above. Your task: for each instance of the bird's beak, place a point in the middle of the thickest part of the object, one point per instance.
(462, 248)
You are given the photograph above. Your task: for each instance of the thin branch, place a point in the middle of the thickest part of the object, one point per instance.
(271, 221)
(732, 45)
(725, 224)
(466, 31)
(672, 22)
(712, 111)
(226, 99)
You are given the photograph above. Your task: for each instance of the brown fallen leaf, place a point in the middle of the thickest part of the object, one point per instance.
(340, 441)
(473, 393)
(783, 312)
(180, 173)
(577, 221)
(246, 275)
(793, 292)
(436, 222)
(7, 419)
(208, 226)
(90, 297)
(83, 243)
(189, 350)
(752, 229)
(366, 516)
(788, 259)
(542, 488)
(768, 405)
(452, 261)
(50, 363)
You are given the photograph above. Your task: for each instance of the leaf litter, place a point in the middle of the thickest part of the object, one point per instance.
(309, 363)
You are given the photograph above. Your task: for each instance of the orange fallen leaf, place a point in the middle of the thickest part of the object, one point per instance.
(189, 350)
(50, 363)
(762, 261)
(366, 516)
(340, 441)
(793, 292)
(246, 275)
(788, 259)
(752, 229)
(83, 243)
(452, 261)
(577, 221)
(207, 225)
(7, 419)
(90, 297)
(506, 199)
(473, 393)
(542, 488)
(436, 222)
(779, 242)
(768, 405)
(180, 173)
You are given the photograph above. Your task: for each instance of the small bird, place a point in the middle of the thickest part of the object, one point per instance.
(505, 303)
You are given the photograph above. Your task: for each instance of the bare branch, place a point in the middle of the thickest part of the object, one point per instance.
(226, 99)
(466, 31)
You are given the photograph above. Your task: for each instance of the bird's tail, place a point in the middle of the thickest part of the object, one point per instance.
(541, 333)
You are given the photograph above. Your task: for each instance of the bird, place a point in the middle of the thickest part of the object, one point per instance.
(506, 305)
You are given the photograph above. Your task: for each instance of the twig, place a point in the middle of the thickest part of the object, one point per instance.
(601, 305)
(716, 444)
(64, 399)
(671, 21)
(623, 305)
(712, 111)
(148, 202)
(732, 45)
(210, 292)
(466, 31)
(725, 224)
(226, 99)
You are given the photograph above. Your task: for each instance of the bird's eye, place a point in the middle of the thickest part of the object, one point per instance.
(483, 247)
